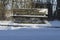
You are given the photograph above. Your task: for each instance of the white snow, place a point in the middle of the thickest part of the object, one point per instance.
(34, 26)
(55, 23)
(31, 34)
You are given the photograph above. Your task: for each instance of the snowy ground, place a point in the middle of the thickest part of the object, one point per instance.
(55, 23)
(13, 26)
(31, 34)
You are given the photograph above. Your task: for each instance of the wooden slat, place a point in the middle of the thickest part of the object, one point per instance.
(30, 16)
